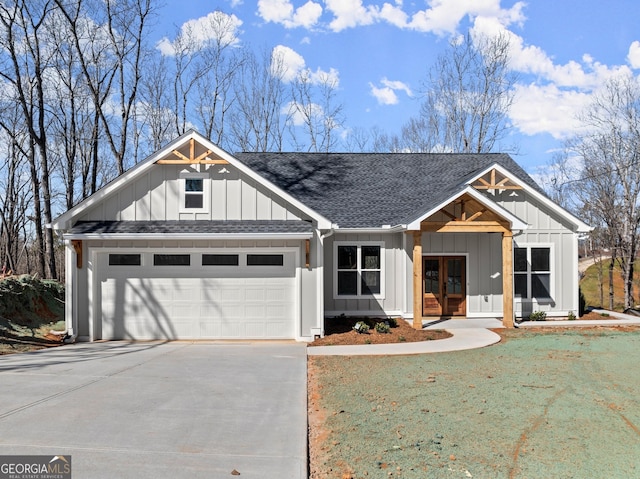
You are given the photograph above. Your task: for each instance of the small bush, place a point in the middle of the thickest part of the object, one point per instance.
(382, 327)
(538, 316)
(571, 316)
(361, 327)
(402, 339)
(582, 303)
(393, 322)
(367, 341)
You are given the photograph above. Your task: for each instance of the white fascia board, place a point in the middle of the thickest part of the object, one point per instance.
(515, 222)
(581, 226)
(192, 236)
(372, 230)
(64, 220)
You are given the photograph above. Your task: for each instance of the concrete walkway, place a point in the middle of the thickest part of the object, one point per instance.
(467, 334)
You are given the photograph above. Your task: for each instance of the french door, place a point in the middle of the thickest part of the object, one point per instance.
(443, 286)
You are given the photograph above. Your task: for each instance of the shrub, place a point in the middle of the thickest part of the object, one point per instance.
(393, 322)
(571, 316)
(402, 339)
(538, 316)
(382, 327)
(361, 327)
(582, 303)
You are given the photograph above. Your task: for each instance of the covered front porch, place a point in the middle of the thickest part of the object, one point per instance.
(439, 277)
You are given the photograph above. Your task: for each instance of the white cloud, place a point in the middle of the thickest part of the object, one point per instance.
(195, 34)
(444, 16)
(350, 13)
(547, 109)
(386, 95)
(293, 66)
(283, 12)
(292, 62)
(634, 55)
(397, 85)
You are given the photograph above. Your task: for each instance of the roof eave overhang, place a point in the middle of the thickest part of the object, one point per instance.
(581, 226)
(516, 224)
(188, 236)
(65, 220)
(372, 229)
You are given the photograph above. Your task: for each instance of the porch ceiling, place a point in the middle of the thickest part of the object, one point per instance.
(465, 215)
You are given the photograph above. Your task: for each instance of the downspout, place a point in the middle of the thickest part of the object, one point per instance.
(320, 287)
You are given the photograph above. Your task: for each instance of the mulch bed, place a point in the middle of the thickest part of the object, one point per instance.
(339, 331)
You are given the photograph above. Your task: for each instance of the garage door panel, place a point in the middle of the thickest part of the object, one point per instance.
(198, 304)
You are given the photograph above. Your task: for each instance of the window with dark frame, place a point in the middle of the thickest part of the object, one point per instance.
(532, 272)
(118, 259)
(220, 260)
(193, 193)
(265, 260)
(359, 270)
(171, 260)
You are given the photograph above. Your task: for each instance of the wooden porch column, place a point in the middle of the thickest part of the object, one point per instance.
(507, 279)
(417, 280)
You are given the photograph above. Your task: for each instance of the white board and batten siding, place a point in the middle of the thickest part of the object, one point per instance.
(195, 301)
(546, 229)
(390, 303)
(156, 196)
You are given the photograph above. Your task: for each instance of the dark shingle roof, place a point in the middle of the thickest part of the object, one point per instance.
(192, 227)
(359, 190)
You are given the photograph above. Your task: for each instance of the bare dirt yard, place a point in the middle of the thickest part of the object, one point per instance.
(543, 403)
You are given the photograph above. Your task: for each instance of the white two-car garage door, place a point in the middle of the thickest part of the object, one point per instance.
(196, 295)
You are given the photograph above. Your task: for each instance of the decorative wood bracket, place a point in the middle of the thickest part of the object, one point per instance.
(77, 247)
(307, 251)
(192, 159)
(495, 182)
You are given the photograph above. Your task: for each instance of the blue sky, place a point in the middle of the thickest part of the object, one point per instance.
(562, 50)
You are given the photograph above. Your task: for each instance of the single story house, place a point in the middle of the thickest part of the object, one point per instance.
(194, 242)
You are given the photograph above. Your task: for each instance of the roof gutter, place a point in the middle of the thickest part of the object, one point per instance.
(188, 236)
(373, 230)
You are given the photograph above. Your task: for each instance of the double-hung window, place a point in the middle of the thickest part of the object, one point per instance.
(194, 192)
(359, 270)
(532, 272)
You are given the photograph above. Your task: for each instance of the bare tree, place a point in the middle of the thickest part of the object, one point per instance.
(468, 96)
(315, 115)
(610, 151)
(109, 41)
(220, 64)
(257, 123)
(26, 62)
(156, 113)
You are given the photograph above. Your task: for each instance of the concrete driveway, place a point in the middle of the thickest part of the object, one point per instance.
(160, 410)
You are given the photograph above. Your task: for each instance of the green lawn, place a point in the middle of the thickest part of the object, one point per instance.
(538, 405)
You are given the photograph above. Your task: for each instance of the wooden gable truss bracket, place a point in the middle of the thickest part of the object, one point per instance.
(192, 159)
(77, 247)
(463, 212)
(495, 184)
